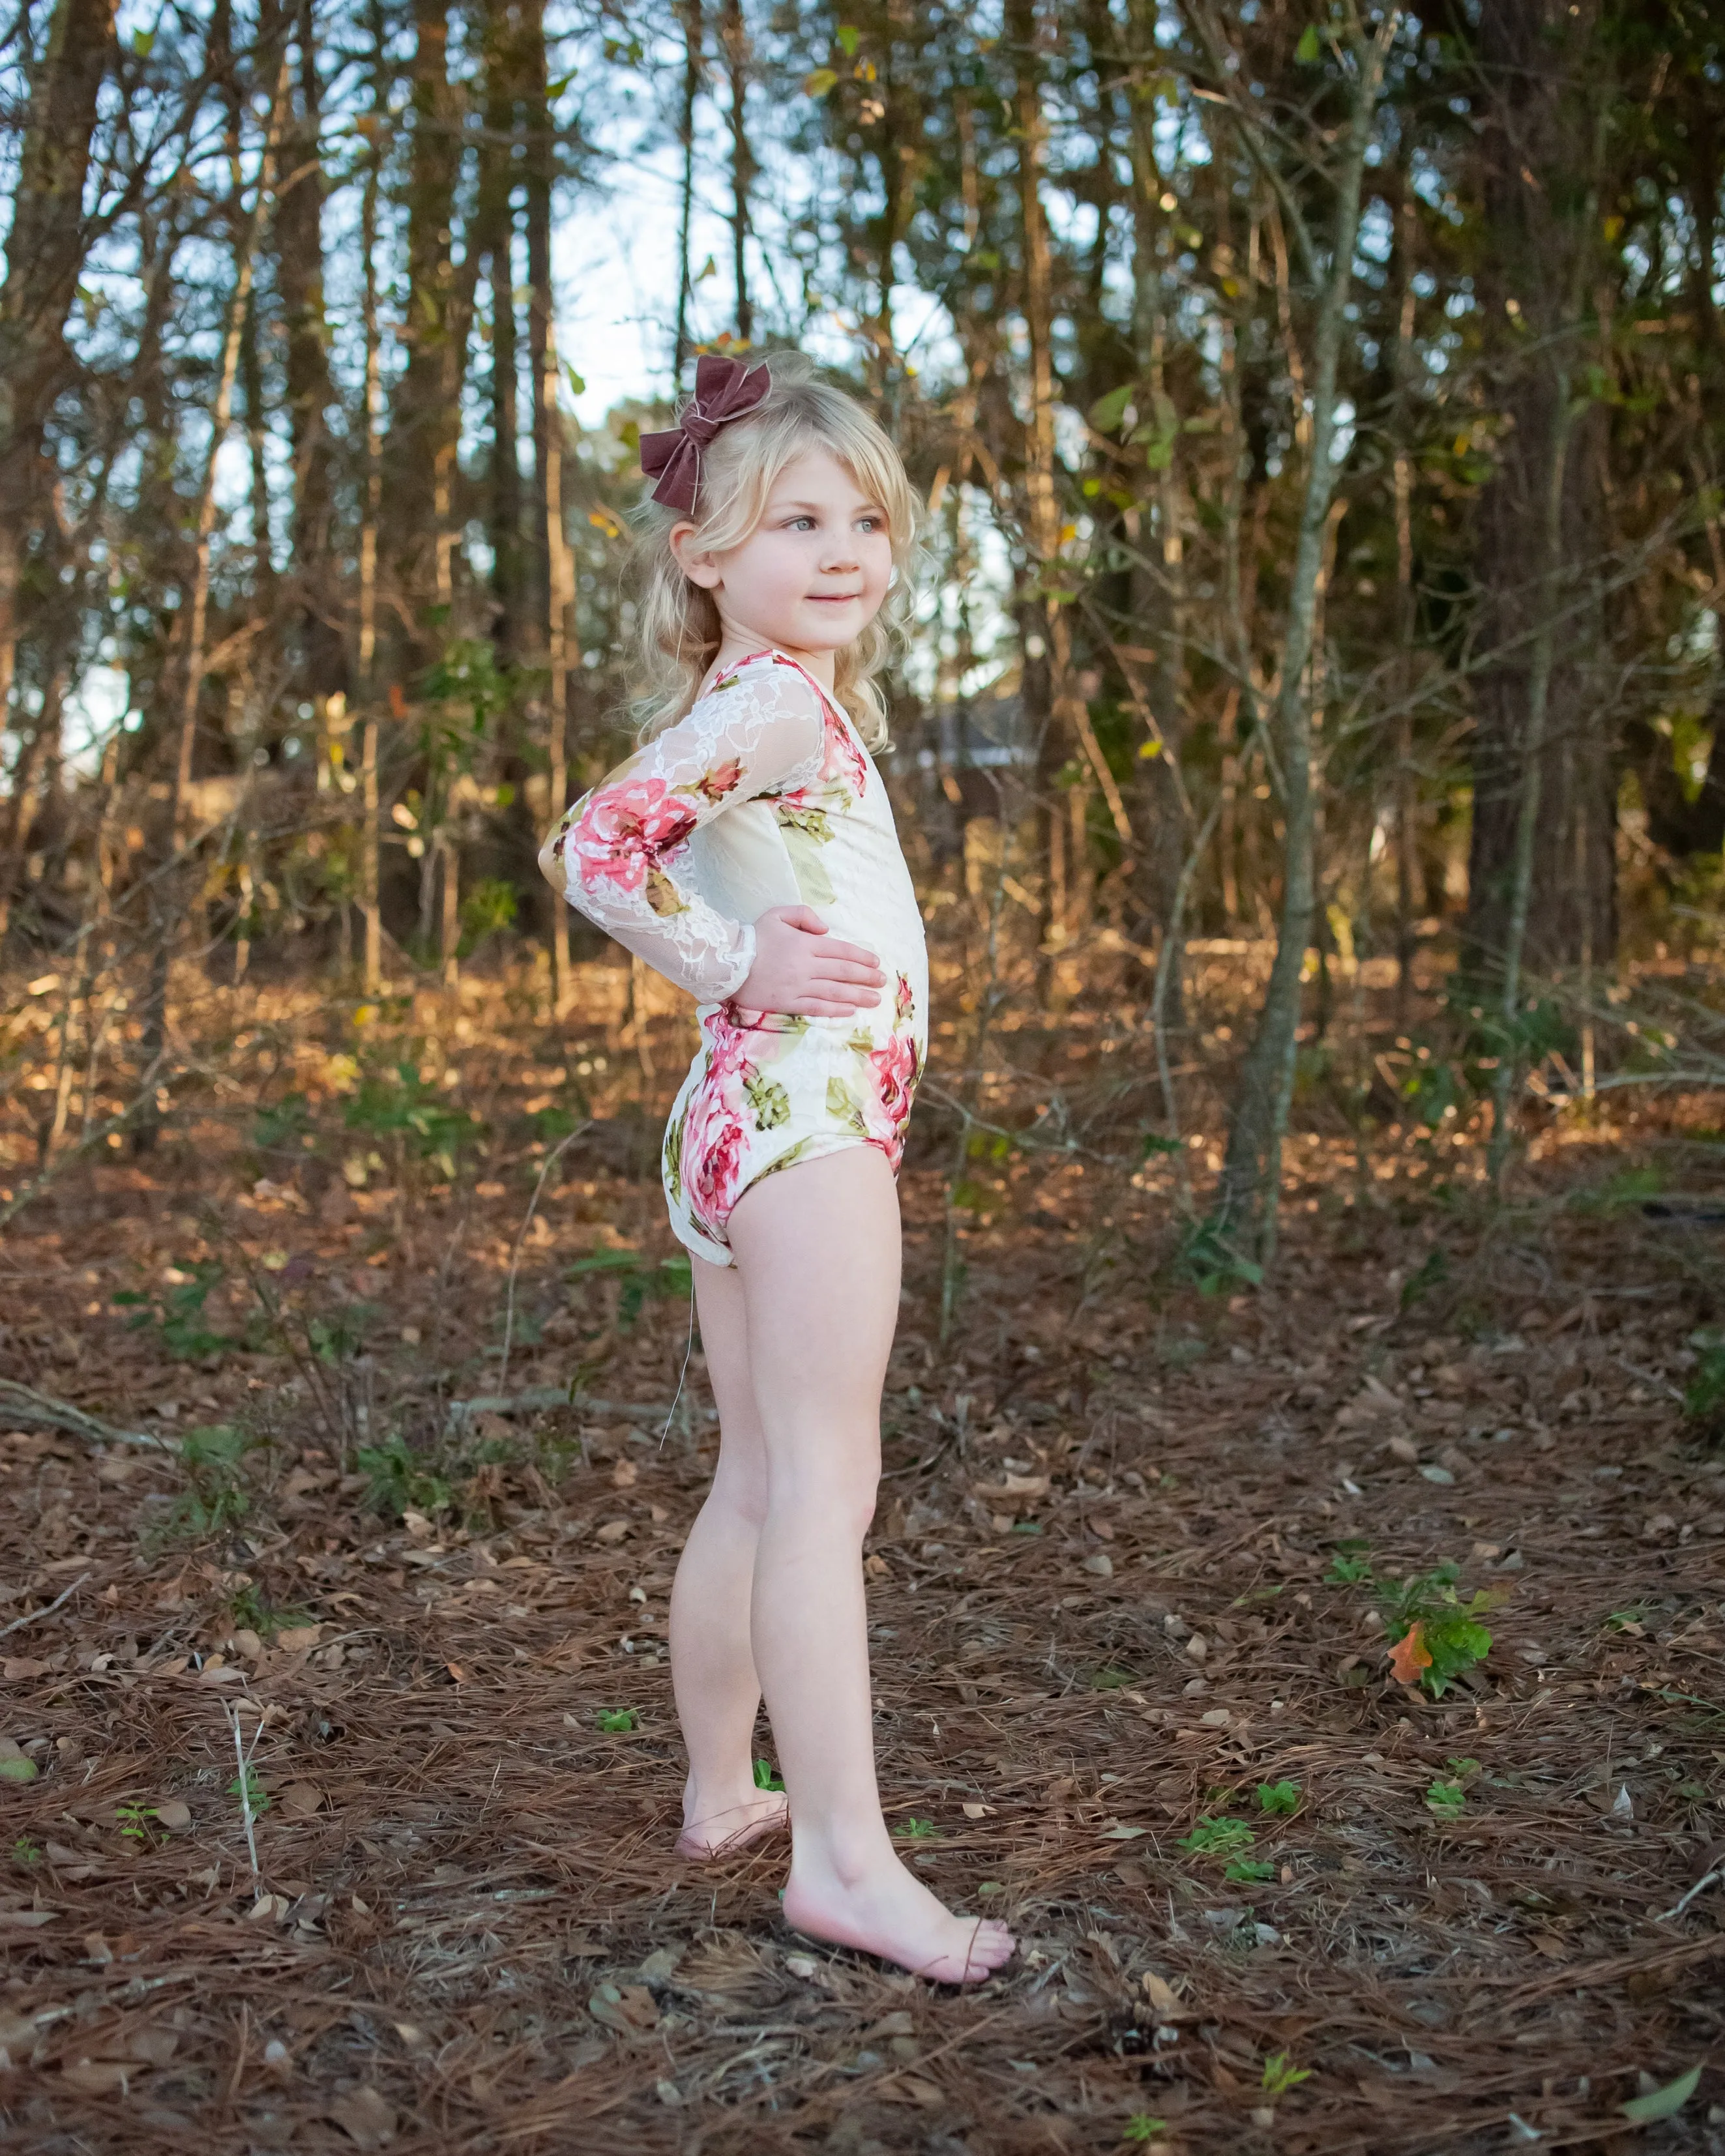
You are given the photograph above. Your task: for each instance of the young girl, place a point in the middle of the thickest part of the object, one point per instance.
(747, 852)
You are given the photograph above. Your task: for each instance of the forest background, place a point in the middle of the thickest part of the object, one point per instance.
(1317, 416)
(1295, 1589)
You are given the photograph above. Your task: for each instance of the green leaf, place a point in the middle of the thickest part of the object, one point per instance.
(1308, 51)
(616, 1722)
(849, 38)
(1661, 2102)
(820, 82)
(1278, 1796)
(20, 1770)
(1107, 413)
(1248, 1870)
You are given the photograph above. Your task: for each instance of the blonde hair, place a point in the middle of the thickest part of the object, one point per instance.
(678, 622)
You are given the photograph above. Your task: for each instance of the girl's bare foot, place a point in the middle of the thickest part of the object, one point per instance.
(882, 1910)
(720, 1829)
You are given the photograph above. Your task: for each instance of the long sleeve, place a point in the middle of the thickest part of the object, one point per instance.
(621, 854)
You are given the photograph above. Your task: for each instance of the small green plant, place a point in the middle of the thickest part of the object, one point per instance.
(638, 1279)
(177, 1316)
(1351, 1566)
(1704, 1399)
(765, 1776)
(251, 1792)
(1212, 1263)
(340, 1336)
(217, 1496)
(917, 1830)
(1281, 2075)
(133, 1821)
(1432, 1273)
(1141, 2127)
(1274, 1797)
(25, 1851)
(1248, 1870)
(617, 1720)
(250, 1612)
(489, 907)
(399, 1480)
(1223, 1838)
(1446, 1799)
(1436, 1634)
(1620, 1620)
(403, 1107)
(1111, 1679)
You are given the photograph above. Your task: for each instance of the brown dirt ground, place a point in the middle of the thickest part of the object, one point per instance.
(1101, 1610)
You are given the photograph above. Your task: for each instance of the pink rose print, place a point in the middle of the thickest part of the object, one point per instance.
(712, 1166)
(892, 1070)
(844, 759)
(624, 830)
(713, 785)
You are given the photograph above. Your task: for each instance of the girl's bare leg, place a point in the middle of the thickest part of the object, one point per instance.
(712, 1666)
(818, 1249)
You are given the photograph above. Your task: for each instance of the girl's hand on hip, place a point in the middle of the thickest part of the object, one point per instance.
(801, 967)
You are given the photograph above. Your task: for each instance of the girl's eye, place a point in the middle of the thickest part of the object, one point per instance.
(802, 523)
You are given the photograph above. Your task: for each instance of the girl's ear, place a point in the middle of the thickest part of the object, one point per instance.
(697, 564)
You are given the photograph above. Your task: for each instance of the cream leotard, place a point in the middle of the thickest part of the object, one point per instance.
(763, 796)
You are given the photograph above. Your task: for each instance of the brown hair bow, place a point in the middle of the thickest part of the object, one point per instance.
(724, 390)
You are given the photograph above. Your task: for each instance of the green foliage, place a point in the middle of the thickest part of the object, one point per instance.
(1704, 1397)
(917, 1830)
(217, 1496)
(1141, 2127)
(401, 1105)
(1432, 1272)
(341, 1335)
(25, 1851)
(765, 1776)
(1212, 1263)
(487, 909)
(1446, 1800)
(1248, 1870)
(1280, 2075)
(133, 1821)
(617, 1720)
(248, 1608)
(1274, 1797)
(639, 1279)
(1222, 1838)
(400, 1480)
(1437, 1635)
(283, 1127)
(1351, 1566)
(177, 1317)
(249, 1793)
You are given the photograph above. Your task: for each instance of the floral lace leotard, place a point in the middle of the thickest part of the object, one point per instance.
(763, 796)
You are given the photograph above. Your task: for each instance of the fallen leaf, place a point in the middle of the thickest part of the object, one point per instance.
(1661, 2102)
(1101, 1565)
(299, 1799)
(613, 1531)
(1408, 1656)
(20, 1667)
(366, 2117)
(628, 2010)
(1404, 1449)
(153, 2044)
(18, 1768)
(97, 2076)
(172, 1813)
(1163, 1997)
(979, 1812)
(298, 1638)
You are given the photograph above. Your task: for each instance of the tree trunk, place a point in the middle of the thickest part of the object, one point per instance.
(45, 250)
(371, 719)
(693, 48)
(424, 421)
(1249, 1192)
(734, 37)
(1538, 144)
(164, 903)
(299, 239)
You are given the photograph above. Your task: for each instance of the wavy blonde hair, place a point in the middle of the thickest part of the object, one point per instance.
(678, 622)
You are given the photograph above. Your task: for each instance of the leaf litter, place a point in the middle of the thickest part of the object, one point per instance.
(1454, 1921)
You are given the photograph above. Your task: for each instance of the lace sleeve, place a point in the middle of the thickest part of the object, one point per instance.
(619, 856)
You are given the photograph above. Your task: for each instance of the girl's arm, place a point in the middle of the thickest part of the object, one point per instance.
(621, 854)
